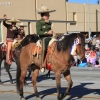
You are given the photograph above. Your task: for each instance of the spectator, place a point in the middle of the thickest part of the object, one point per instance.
(92, 57)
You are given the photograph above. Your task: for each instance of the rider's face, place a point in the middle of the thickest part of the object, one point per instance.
(21, 27)
(46, 16)
(13, 23)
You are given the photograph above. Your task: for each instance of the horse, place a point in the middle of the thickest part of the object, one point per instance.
(3, 57)
(59, 56)
(28, 39)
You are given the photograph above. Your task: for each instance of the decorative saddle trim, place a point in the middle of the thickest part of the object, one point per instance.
(36, 50)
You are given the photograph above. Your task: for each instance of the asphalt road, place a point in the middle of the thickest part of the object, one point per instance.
(86, 85)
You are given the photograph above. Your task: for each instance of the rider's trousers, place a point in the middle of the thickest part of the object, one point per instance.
(9, 44)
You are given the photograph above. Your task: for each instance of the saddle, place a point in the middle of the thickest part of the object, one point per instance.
(41, 48)
(37, 50)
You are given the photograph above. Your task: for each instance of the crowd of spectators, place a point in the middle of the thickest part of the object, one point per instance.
(92, 52)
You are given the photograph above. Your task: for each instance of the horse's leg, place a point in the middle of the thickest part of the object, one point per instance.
(7, 66)
(0, 72)
(28, 76)
(67, 76)
(22, 78)
(58, 84)
(34, 78)
(11, 81)
(48, 74)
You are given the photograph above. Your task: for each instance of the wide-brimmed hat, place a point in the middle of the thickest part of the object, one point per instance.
(21, 24)
(13, 20)
(44, 9)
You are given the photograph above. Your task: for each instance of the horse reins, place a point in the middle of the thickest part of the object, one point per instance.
(61, 60)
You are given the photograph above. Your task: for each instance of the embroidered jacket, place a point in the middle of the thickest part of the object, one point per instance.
(12, 32)
(42, 27)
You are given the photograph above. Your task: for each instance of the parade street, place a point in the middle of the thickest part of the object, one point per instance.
(86, 85)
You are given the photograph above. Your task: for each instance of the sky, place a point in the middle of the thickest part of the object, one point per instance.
(84, 1)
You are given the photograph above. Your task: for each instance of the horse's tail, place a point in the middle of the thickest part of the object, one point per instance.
(18, 74)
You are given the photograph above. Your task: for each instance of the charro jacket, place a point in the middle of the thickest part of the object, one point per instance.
(12, 32)
(42, 27)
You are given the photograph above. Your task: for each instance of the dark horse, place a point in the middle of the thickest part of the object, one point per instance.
(59, 56)
(3, 57)
(28, 39)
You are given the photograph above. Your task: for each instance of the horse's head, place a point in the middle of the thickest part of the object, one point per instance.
(32, 38)
(73, 43)
(78, 47)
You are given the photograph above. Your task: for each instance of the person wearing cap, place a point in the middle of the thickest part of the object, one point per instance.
(43, 26)
(12, 32)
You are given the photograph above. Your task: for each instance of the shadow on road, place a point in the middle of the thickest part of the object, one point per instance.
(80, 91)
(77, 91)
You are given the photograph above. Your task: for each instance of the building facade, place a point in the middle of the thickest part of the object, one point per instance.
(86, 16)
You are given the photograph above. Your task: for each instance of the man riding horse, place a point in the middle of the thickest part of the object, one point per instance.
(12, 32)
(14, 36)
(21, 35)
(43, 26)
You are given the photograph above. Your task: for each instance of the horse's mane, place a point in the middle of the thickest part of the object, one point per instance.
(32, 38)
(68, 41)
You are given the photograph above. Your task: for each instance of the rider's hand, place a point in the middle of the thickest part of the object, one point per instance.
(50, 32)
(4, 16)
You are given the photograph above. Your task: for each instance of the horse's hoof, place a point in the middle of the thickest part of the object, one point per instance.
(22, 99)
(64, 95)
(1, 82)
(38, 98)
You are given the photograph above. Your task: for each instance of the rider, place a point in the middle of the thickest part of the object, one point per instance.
(12, 32)
(43, 26)
(21, 30)
(21, 35)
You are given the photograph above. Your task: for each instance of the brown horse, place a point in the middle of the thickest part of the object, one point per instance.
(28, 39)
(59, 57)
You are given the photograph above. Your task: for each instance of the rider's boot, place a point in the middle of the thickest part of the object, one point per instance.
(42, 69)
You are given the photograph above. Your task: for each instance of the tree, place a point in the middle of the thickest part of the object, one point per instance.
(98, 1)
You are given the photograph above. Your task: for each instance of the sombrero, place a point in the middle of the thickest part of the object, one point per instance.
(13, 20)
(44, 9)
(21, 24)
